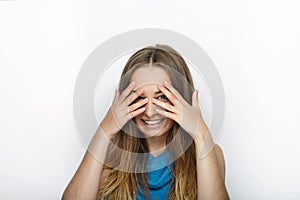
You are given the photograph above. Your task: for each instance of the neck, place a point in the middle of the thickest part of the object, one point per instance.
(157, 144)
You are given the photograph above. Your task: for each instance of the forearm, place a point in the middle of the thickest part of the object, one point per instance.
(210, 178)
(85, 183)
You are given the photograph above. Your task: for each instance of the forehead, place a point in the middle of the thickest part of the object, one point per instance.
(149, 75)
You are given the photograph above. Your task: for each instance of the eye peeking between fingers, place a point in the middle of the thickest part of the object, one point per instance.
(139, 98)
(162, 98)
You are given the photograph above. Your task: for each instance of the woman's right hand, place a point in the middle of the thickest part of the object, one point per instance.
(122, 110)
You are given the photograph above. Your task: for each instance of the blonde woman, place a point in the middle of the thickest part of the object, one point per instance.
(152, 141)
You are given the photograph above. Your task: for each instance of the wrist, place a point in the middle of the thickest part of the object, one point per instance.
(105, 131)
(202, 129)
(204, 142)
(202, 133)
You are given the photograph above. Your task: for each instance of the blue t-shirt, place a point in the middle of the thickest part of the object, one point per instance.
(159, 177)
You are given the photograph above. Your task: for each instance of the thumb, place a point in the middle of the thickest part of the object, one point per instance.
(195, 101)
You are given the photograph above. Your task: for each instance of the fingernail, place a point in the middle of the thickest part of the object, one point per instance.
(165, 82)
(132, 83)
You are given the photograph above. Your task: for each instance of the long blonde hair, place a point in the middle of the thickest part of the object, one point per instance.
(123, 184)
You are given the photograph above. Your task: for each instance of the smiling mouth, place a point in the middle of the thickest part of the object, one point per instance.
(153, 123)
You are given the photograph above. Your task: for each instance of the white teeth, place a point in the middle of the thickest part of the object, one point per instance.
(153, 122)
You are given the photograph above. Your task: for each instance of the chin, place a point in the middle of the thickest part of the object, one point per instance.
(148, 134)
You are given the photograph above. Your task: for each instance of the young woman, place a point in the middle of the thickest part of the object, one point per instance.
(150, 144)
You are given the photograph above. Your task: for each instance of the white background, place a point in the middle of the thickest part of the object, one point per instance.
(254, 45)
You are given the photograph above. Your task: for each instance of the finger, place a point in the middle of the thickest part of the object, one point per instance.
(168, 94)
(167, 114)
(195, 101)
(164, 105)
(127, 91)
(133, 96)
(137, 105)
(174, 91)
(136, 112)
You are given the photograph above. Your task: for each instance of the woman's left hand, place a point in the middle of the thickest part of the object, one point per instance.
(186, 115)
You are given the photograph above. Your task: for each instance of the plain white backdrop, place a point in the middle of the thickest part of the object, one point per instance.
(254, 45)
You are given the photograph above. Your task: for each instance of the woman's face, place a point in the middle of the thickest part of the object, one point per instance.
(150, 122)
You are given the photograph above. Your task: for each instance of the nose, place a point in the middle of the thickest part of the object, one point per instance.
(150, 109)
